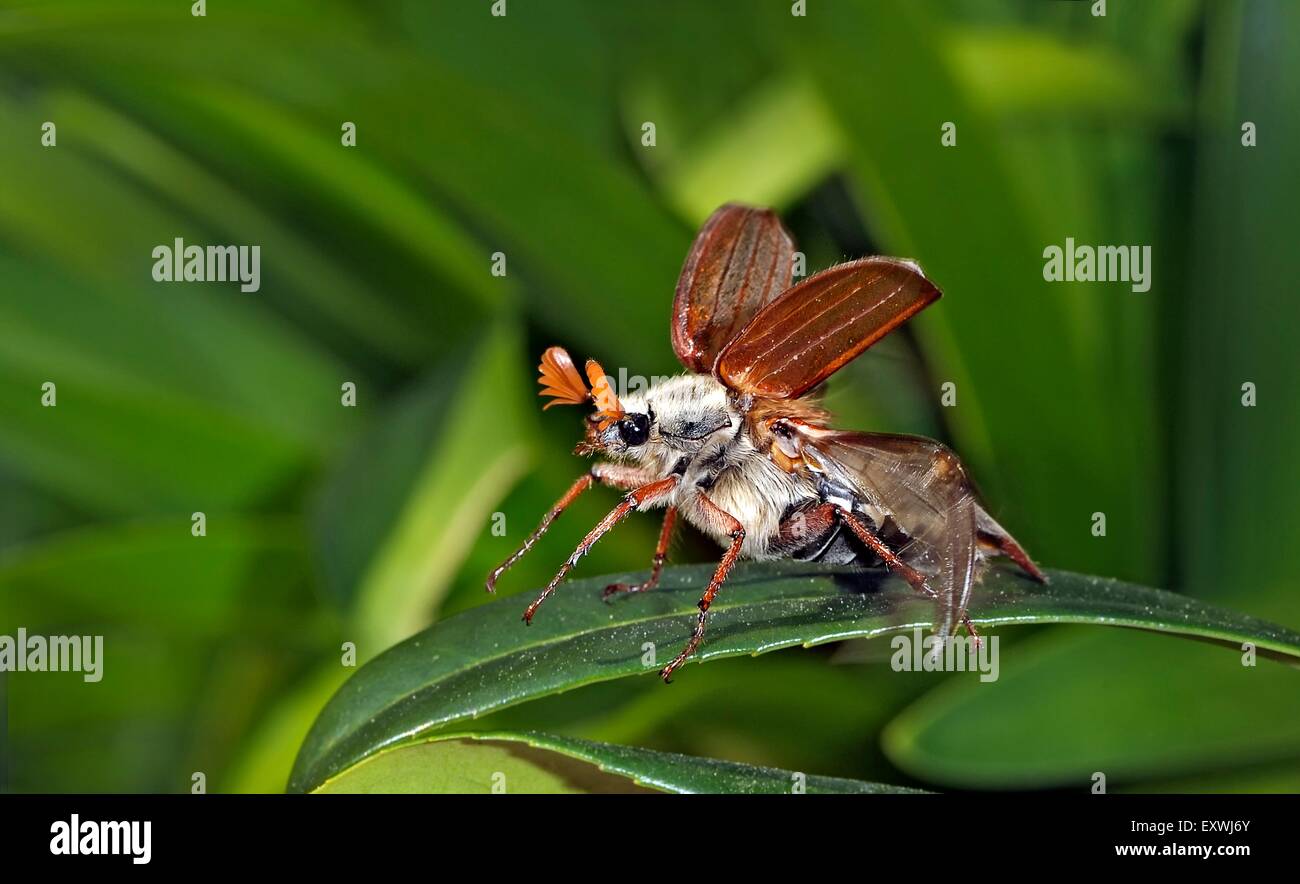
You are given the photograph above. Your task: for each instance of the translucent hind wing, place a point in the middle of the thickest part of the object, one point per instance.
(923, 488)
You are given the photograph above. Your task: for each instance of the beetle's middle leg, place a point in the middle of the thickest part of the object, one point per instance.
(656, 565)
(737, 533)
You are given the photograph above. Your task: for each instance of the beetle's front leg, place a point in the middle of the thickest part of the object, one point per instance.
(613, 475)
(634, 500)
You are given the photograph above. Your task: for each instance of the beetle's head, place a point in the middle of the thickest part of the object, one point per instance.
(611, 429)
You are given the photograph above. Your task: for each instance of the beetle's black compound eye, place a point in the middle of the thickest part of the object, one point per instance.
(634, 429)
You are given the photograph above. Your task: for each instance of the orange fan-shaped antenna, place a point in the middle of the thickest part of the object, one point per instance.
(560, 379)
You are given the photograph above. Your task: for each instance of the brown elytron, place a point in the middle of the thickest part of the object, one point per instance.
(740, 262)
(738, 447)
(796, 342)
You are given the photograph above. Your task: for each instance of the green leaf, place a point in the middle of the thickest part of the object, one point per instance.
(780, 140)
(127, 573)
(1210, 721)
(61, 728)
(264, 760)
(960, 211)
(314, 279)
(100, 230)
(770, 150)
(1080, 701)
(1017, 71)
(485, 659)
(449, 497)
(352, 185)
(123, 438)
(183, 621)
(540, 763)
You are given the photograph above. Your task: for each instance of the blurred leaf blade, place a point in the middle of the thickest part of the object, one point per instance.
(1080, 702)
(956, 209)
(781, 142)
(64, 575)
(451, 495)
(1233, 497)
(125, 450)
(263, 762)
(315, 277)
(1017, 72)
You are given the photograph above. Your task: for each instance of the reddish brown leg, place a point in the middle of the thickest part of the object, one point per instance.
(574, 492)
(804, 527)
(657, 564)
(622, 476)
(614, 475)
(1006, 544)
(914, 577)
(633, 501)
(737, 533)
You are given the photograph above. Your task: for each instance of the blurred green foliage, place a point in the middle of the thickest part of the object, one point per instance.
(522, 135)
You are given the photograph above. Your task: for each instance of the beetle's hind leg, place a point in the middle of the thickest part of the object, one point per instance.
(914, 578)
(873, 542)
(995, 537)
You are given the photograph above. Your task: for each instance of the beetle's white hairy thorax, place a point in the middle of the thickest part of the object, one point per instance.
(724, 464)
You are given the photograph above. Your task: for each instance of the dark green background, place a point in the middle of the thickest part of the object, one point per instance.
(522, 135)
